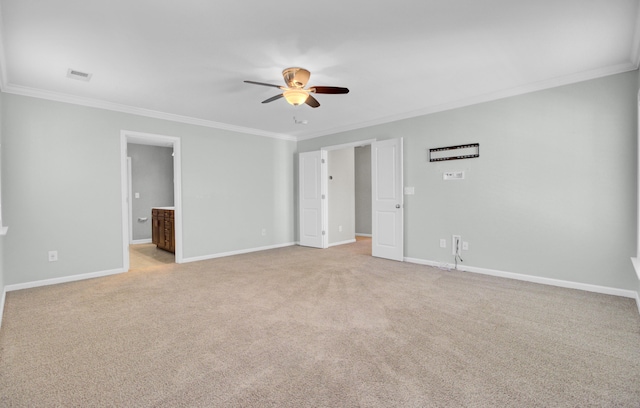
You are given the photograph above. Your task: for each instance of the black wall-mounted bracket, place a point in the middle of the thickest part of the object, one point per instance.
(466, 151)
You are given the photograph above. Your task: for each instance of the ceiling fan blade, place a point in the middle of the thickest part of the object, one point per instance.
(329, 90)
(273, 98)
(313, 102)
(263, 84)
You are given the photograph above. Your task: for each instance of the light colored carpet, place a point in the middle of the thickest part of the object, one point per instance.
(301, 327)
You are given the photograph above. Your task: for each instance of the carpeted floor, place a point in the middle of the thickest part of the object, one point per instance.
(301, 327)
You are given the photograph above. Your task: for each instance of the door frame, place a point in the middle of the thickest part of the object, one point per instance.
(323, 179)
(126, 137)
(130, 194)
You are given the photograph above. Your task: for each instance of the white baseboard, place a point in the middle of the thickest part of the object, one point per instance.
(535, 279)
(349, 241)
(141, 241)
(64, 279)
(363, 235)
(2, 298)
(239, 252)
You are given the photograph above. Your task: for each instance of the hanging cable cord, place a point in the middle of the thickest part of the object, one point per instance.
(457, 255)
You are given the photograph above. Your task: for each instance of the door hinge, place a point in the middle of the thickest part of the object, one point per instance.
(323, 197)
(323, 232)
(322, 161)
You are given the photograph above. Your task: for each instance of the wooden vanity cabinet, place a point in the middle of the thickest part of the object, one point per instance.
(162, 229)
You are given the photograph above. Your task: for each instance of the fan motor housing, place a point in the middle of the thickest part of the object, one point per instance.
(296, 77)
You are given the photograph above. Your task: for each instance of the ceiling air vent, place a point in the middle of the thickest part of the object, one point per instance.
(82, 76)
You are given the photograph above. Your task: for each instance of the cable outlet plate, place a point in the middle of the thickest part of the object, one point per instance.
(456, 244)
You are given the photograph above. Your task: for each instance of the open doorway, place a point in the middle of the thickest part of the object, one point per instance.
(348, 194)
(136, 221)
(387, 208)
(151, 192)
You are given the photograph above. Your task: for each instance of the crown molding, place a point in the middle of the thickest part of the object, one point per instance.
(3, 57)
(474, 100)
(635, 45)
(520, 90)
(95, 103)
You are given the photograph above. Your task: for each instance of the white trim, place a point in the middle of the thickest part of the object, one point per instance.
(349, 241)
(363, 235)
(239, 252)
(3, 230)
(3, 56)
(64, 279)
(636, 266)
(348, 145)
(519, 90)
(130, 198)
(638, 301)
(141, 241)
(635, 45)
(530, 278)
(324, 192)
(638, 181)
(127, 136)
(96, 103)
(125, 201)
(3, 298)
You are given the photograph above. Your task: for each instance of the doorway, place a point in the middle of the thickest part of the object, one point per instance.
(348, 195)
(173, 143)
(387, 217)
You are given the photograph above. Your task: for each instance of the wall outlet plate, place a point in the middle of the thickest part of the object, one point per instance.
(53, 256)
(453, 175)
(443, 243)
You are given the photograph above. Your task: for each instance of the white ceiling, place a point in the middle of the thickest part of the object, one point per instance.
(187, 60)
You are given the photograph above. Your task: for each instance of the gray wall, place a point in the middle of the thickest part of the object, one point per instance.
(637, 286)
(553, 193)
(64, 192)
(341, 196)
(2, 198)
(363, 189)
(152, 179)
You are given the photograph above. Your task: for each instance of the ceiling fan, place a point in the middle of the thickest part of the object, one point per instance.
(294, 93)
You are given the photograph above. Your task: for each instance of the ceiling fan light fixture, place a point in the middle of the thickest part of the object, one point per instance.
(295, 97)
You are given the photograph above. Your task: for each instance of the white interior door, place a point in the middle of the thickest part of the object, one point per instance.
(387, 200)
(311, 200)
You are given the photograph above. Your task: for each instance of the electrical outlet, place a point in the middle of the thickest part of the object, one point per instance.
(339, 228)
(456, 242)
(465, 246)
(264, 232)
(443, 243)
(53, 256)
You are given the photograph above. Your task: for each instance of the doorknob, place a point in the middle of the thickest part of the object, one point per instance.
(397, 205)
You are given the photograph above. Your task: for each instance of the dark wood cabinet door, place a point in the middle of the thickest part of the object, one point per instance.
(163, 234)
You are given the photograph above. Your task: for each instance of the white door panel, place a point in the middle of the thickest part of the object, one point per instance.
(310, 192)
(387, 200)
